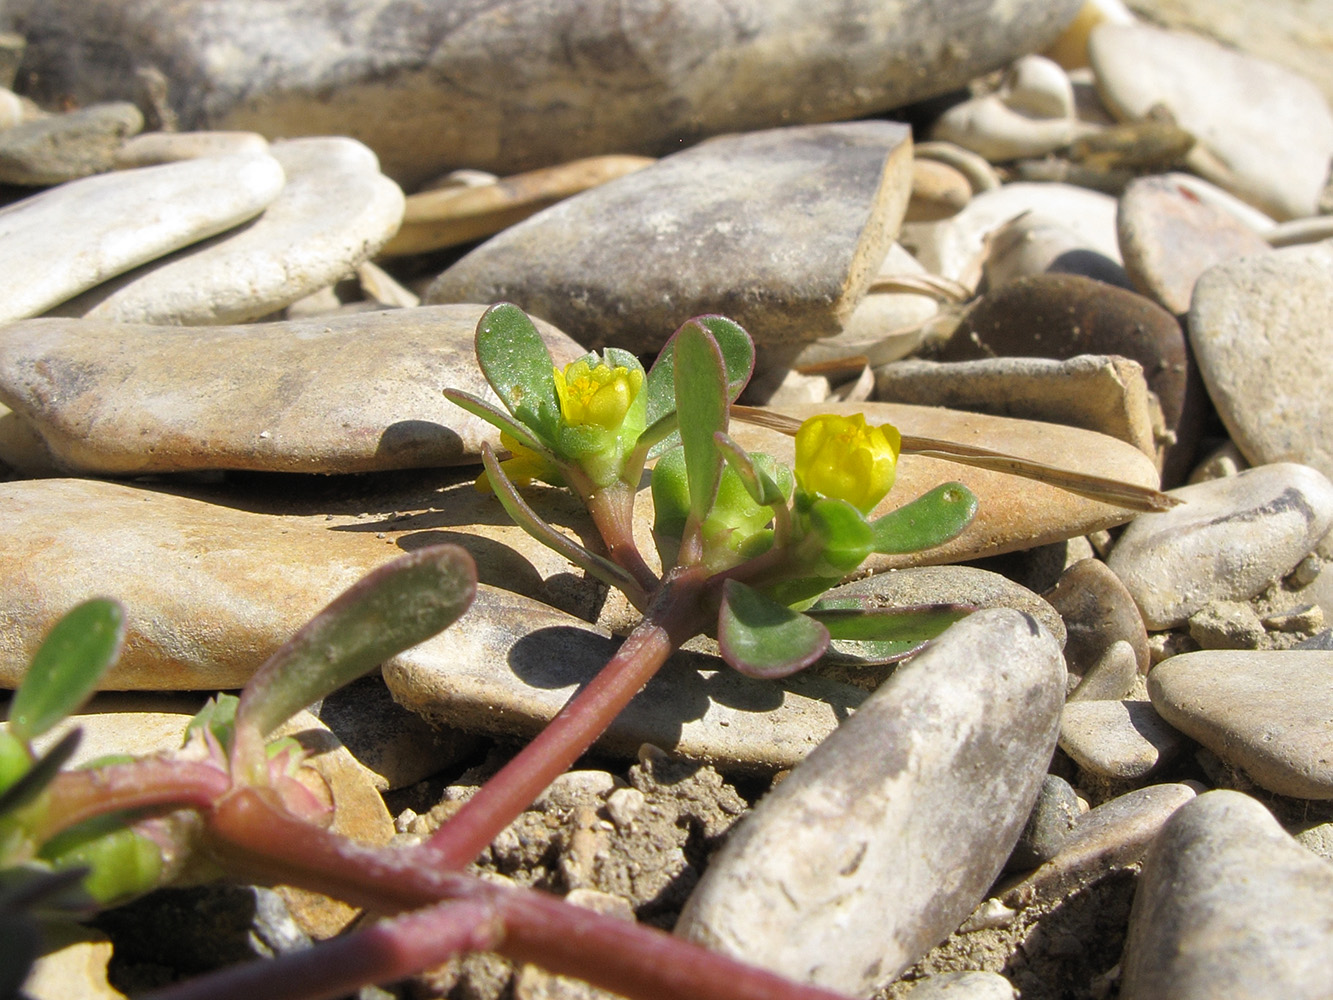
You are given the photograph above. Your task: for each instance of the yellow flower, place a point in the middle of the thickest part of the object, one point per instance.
(596, 393)
(522, 466)
(843, 458)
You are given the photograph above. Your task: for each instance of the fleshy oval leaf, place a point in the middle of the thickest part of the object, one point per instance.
(759, 484)
(517, 364)
(931, 519)
(737, 350)
(65, 670)
(883, 635)
(762, 638)
(391, 609)
(701, 408)
(848, 538)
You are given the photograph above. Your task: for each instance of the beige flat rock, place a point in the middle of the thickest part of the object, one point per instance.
(352, 393)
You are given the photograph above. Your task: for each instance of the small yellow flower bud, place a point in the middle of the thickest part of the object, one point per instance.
(596, 394)
(844, 459)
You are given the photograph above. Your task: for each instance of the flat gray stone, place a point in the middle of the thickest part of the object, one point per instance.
(1259, 327)
(952, 584)
(1273, 153)
(1113, 837)
(1268, 713)
(121, 220)
(68, 146)
(1121, 740)
(917, 798)
(781, 230)
(1169, 237)
(513, 85)
(152, 148)
(351, 393)
(1228, 541)
(1229, 905)
(335, 212)
(510, 664)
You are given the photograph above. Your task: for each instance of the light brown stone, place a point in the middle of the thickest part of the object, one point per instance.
(351, 393)
(447, 217)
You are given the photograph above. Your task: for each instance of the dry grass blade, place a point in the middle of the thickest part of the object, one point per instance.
(1112, 491)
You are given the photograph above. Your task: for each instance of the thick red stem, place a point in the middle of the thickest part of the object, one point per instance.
(381, 953)
(257, 839)
(150, 781)
(673, 617)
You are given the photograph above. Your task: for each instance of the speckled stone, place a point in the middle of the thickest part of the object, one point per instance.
(1121, 740)
(514, 85)
(1169, 237)
(65, 147)
(1273, 153)
(720, 237)
(873, 814)
(1257, 326)
(1229, 905)
(350, 393)
(1228, 541)
(1269, 713)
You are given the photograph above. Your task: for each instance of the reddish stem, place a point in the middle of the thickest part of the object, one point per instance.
(612, 511)
(251, 834)
(674, 616)
(381, 953)
(76, 796)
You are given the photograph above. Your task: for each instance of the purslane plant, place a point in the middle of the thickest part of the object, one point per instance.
(747, 546)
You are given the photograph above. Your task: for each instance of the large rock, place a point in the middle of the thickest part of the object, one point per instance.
(352, 393)
(1260, 331)
(1273, 153)
(886, 836)
(522, 83)
(1229, 905)
(120, 220)
(334, 213)
(781, 230)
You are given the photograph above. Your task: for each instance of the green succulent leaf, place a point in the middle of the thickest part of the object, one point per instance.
(758, 483)
(496, 418)
(883, 635)
(701, 406)
(931, 519)
(763, 638)
(65, 670)
(43, 771)
(847, 536)
(393, 608)
(120, 863)
(737, 352)
(516, 362)
(218, 716)
(527, 519)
